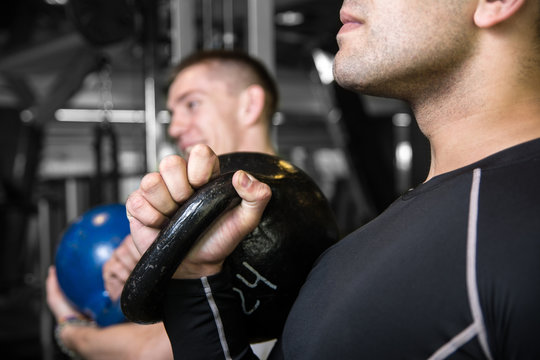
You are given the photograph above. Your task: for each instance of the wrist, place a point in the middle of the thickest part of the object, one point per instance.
(66, 318)
(197, 271)
(63, 326)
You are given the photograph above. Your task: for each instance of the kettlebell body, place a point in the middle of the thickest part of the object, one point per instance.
(270, 264)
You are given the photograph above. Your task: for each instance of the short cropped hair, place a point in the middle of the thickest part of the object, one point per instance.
(252, 71)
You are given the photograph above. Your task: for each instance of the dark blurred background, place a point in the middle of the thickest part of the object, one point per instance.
(83, 82)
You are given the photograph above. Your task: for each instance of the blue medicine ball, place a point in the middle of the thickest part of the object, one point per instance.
(85, 246)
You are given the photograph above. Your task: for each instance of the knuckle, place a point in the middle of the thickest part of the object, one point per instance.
(120, 251)
(201, 150)
(140, 210)
(150, 182)
(182, 195)
(154, 219)
(171, 162)
(135, 203)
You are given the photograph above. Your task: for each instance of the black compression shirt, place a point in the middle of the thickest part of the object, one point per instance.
(449, 271)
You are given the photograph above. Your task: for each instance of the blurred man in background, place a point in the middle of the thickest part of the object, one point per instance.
(224, 99)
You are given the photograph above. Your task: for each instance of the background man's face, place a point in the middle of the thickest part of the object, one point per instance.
(203, 110)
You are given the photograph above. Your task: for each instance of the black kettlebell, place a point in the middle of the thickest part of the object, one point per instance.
(269, 266)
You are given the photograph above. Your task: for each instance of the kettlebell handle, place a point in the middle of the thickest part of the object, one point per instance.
(142, 295)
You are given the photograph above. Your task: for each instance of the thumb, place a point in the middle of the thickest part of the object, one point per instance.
(255, 196)
(208, 254)
(237, 223)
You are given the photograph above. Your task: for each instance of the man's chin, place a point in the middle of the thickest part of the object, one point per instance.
(340, 74)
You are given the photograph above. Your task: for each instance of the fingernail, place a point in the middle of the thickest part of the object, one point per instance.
(245, 179)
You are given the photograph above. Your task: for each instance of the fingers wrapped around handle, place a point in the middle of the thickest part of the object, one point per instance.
(142, 296)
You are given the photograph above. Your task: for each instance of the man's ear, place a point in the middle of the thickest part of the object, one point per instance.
(492, 12)
(251, 104)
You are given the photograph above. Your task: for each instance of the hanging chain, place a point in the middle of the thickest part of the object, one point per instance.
(106, 145)
(106, 91)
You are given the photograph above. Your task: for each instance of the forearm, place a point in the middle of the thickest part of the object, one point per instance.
(124, 341)
(203, 320)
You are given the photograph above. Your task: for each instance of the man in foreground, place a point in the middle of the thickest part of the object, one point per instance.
(449, 270)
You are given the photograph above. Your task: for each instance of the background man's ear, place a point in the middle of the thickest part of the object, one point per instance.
(252, 104)
(492, 12)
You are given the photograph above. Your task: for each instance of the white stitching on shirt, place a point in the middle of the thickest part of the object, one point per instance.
(450, 347)
(217, 317)
(478, 326)
(472, 285)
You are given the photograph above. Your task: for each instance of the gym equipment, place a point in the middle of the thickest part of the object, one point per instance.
(268, 266)
(85, 246)
(103, 22)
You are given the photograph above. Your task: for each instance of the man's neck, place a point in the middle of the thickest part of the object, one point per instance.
(470, 138)
(256, 139)
(479, 117)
